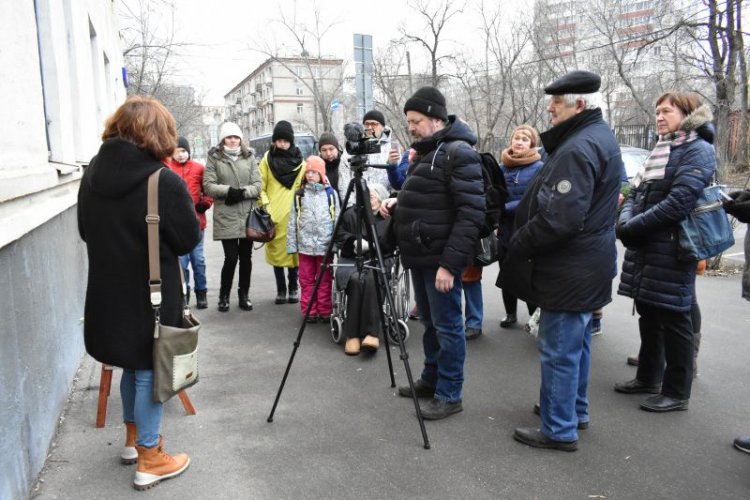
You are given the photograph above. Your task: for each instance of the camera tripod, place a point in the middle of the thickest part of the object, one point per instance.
(389, 324)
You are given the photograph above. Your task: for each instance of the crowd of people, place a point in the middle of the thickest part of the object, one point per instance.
(556, 239)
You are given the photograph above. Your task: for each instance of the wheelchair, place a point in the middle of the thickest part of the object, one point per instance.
(400, 286)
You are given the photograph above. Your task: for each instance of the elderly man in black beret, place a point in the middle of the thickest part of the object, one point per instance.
(562, 256)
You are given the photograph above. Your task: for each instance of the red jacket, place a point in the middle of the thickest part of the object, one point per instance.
(192, 173)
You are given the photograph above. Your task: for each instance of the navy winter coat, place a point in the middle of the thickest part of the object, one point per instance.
(651, 272)
(517, 180)
(562, 255)
(437, 219)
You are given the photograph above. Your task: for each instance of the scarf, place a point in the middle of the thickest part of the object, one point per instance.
(655, 166)
(232, 153)
(285, 164)
(555, 136)
(512, 160)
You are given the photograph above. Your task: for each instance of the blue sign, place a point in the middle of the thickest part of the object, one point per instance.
(335, 104)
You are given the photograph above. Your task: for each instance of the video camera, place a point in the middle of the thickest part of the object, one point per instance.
(357, 142)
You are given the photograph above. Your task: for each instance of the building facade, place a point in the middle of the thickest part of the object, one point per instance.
(281, 89)
(62, 77)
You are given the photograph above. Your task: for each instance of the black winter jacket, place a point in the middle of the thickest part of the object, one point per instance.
(437, 220)
(647, 225)
(119, 320)
(562, 255)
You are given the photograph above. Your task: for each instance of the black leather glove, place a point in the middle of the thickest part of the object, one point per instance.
(623, 234)
(739, 206)
(235, 195)
(201, 207)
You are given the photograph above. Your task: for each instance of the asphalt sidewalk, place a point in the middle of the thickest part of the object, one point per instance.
(341, 432)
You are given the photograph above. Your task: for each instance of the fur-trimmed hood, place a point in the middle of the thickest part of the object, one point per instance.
(700, 121)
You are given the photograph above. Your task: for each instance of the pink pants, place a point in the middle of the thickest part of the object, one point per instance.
(309, 266)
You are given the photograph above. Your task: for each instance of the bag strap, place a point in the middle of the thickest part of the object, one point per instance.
(154, 263)
(450, 156)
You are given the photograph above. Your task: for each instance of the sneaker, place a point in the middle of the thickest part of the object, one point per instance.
(438, 410)
(597, 330)
(742, 444)
(473, 333)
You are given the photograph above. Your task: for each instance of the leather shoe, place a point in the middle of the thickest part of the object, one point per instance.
(508, 320)
(473, 333)
(662, 403)
(742, 444)
(635, 386)
(535, 438)
(633, 360)
(437, 409)
(581, 424)
(423, 391)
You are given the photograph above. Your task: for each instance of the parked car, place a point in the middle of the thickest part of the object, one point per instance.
(633, 159)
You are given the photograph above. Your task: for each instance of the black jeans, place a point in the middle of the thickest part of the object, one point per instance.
(511, 303)
(234, 250)
(293, 272)
(362, 306)
(666, 335)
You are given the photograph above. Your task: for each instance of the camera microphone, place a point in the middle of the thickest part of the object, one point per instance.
(354, 131)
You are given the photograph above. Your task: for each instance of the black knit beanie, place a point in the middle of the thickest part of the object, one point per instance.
(184, 144)
(376, 115)
(328, 138)
(428, 101)
(283, 130)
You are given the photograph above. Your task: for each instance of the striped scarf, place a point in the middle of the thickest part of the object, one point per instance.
(655, 166)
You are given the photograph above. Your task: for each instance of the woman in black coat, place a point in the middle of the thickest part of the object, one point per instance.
(664, 192)
(119, 319)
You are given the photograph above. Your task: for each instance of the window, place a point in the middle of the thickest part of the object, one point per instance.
(299, 91)
(300, 108)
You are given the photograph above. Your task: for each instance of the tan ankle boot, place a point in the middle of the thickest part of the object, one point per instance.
(370, 343)
(155, 465)
(129, 455)
(351, 347)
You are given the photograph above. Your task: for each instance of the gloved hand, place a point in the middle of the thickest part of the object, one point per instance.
(201, 207)
(623, 234)
(235, 195)
(739, 206)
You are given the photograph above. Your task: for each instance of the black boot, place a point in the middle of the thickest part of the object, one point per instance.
(280, 297)
(223, 300)
(293, 297)
(245, 303)
(200, 297)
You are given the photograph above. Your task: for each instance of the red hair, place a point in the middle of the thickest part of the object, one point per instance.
(145, 122)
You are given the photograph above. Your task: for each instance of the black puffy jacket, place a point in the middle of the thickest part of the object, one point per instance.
(562, 255)
(437, 220)
(647, 225)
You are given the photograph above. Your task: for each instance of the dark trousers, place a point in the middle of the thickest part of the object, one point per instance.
(362, 306)
(511, 303)
(234, 250)
(278, 273)
(666, 335)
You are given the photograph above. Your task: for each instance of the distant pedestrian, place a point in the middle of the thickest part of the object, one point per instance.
(282, 169)
(119, 318)
(233, 180)
(330, 151)
(309, 232)
(192, 173)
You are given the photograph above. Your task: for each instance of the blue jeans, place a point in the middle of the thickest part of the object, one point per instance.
(198, 262)
(444, 339)
(565, 353)
(137, 393)
(474, 309)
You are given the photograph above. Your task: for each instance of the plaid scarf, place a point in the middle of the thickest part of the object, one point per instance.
(655, 166)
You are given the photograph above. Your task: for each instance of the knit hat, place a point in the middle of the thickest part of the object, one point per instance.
(316, 164)
(184, 144)
(379, 190)
(428, 101)
(227, 129)
(283, 130)
(528, 131)
(328, 138)
(374, 115)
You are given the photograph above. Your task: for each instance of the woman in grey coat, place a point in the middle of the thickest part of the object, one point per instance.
(232, 179)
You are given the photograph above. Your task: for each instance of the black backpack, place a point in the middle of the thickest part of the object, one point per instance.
(495, 189)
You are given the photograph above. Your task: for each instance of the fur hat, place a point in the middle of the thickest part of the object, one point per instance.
(228, 129)
(328, 138)
(316, 164)
(529, 132)
(184, 144)
(283, 130)
(429, 101)
(374, 115)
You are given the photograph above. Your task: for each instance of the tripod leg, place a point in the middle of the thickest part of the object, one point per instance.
(327, 258)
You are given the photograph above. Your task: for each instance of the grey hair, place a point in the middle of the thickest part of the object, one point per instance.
(379, 190)
(591, 101)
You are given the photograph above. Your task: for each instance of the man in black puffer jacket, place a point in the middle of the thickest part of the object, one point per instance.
(436, 225)
(562, 255)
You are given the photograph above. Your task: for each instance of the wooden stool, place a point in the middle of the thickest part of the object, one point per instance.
(105, 384)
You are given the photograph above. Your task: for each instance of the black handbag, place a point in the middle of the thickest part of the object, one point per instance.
(487, 250)
(260, 226)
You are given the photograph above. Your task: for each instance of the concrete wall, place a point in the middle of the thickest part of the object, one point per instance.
(62, 77)
(43, 283)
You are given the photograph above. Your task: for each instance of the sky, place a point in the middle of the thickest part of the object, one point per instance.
(227, 33)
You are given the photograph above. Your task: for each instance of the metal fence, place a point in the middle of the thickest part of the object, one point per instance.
(638, 136)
